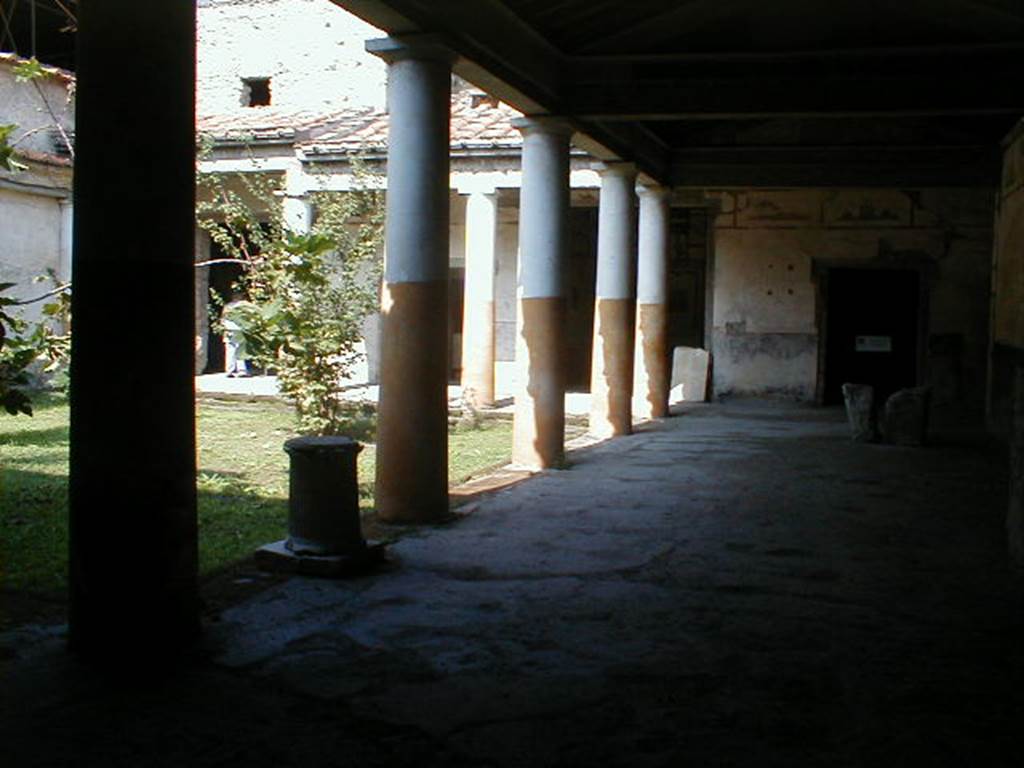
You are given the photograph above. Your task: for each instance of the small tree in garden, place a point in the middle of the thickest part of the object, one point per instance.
(15, 358)
(311, 290)
(33, 353)
(28, 349)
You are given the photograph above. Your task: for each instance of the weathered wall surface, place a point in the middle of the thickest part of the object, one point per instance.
(30, 244)
(311, 50)
(36, 107)
(765, 333)
(1007, 286)
(1008, 282)
(35, 229)
(1006, 393)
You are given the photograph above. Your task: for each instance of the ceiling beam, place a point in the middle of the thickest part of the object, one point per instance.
(676, 15)
(505, 57)
(521, 67)
(850, 166)
(761, 96)
(611, 64)
(629, 141)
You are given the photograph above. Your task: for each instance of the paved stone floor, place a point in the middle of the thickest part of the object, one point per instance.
(737, 585)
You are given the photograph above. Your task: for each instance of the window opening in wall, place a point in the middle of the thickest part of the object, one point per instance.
(256, 91)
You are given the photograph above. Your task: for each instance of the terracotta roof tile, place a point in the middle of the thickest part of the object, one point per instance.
(46, 158)
(266, 123)
(477, 122)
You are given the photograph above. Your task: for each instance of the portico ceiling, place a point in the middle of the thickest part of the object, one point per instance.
(715, 92)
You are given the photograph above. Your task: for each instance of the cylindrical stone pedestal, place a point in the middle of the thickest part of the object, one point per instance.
(412, 418)
(478, 299)
(323, 496)
(611, 372)
(651, 363)
(538, 439)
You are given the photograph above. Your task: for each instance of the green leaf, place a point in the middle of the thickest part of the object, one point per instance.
(29, 69)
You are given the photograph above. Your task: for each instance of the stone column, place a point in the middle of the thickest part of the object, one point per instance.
(412, 416)
(297, 213)
(651, 364)
(538, 437)
(132, 493)
(67, 227)
(611, 373)
(478, 300)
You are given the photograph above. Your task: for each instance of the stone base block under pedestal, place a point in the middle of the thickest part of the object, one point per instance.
(278, 558)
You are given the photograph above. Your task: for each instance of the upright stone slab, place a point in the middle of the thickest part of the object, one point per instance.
(690, 367)
(860, 411)
(905, 419)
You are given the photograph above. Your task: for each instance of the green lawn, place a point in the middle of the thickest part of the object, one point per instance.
(242, 483)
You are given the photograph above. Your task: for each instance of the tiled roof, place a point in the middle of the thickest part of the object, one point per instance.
(267, 123)
(46, 158)
(477, 122)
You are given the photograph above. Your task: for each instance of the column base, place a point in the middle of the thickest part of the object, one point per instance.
(538, 431)
(611, 380)
(651, 377)
(412, 417)
(278, 558)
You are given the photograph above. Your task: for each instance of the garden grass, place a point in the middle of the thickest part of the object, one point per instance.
(242, 483)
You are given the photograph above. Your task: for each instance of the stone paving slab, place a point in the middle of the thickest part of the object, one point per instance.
(737, 585)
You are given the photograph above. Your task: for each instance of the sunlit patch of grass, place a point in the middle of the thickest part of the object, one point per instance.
(242, 482)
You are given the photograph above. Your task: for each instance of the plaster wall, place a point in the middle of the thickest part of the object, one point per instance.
(34, 234)
(311, 50)
(1007, 351)
(1008, 282)
(765, 326)
(29, 105)
(30, 244)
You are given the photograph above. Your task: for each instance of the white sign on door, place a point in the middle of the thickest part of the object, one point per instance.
(874, 344)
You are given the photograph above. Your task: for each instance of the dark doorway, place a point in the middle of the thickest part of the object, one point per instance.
(579, 308)
(456, 306)
(686, 278)
(871, 330)
(222, 281)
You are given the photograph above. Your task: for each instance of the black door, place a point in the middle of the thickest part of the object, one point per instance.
(871, 330)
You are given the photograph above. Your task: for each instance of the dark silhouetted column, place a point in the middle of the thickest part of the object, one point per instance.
(132, 496)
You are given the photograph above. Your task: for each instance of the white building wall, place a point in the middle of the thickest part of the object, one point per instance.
(30, 244)
(36, 107)
(311, 50)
